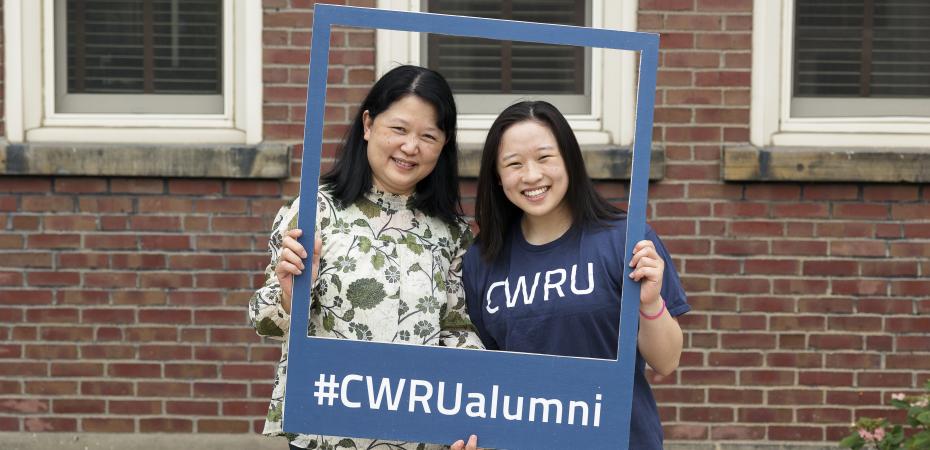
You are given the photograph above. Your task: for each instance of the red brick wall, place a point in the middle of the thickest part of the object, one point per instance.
(123, 300)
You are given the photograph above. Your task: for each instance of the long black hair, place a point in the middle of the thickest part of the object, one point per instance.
(495, 214)
(436, 195)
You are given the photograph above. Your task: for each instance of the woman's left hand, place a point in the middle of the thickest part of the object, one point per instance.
(648, 268)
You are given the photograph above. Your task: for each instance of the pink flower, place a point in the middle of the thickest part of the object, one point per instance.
(865, 434)
(879, 434)
(898, 396)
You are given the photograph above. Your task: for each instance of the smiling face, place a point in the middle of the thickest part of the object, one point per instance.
(532, 173)
(404, 144)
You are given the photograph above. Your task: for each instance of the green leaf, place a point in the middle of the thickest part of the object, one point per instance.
(293, 223)
(377, 260)
(427, 233)
(274, 414)
(369, 208)
(324, 222)
(360, 222)
(347, 443)
(329, 322)
(415, 248)
(267, 327)
(851, 441)
(440, 281)
(414, 268)
(365, 293)
(349, 315)
(924, 417)
(337, 282)
(364, 244)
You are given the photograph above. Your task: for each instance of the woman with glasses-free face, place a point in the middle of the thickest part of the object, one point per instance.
(404, 144)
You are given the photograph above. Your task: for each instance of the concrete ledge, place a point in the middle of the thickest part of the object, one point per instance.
(141, 441)
(201, 441)
(266, 160)
(602, 162)
(878, 165)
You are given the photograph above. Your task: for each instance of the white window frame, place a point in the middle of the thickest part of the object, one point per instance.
(771, 123)
(29, 36)
(613, 89)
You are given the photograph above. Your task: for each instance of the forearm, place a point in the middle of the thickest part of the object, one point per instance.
(660, 339)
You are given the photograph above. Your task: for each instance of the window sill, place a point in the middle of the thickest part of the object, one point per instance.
(603, 162)
(827, 164)
(265, 160)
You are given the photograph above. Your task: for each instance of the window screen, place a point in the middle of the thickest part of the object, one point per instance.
(513, 69)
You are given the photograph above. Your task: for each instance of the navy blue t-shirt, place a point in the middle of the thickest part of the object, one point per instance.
(563, 298)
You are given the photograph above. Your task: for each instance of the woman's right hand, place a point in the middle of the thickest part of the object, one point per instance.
(291, 263)
(472, 444)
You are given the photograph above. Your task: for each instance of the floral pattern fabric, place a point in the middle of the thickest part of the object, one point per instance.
(388, 273)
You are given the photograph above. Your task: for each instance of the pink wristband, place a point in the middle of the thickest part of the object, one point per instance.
(656, 316)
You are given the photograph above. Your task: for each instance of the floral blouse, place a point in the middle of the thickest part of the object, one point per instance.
(387, 273)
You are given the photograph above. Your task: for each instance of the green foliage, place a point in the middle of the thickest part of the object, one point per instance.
(879, 434)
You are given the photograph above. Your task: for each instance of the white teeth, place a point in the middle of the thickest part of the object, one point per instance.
(535, 192)
(404, 164)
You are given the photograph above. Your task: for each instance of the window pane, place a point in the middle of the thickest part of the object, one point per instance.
(483, 66)
(870, 48)
(139, 56)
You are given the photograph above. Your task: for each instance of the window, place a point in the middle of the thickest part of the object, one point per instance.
(488, 75)
(144, 71)
(142, 56)
(841, 73)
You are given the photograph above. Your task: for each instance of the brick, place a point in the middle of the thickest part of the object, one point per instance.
(225, 242)
(833, 268)
(167, 242)
(685, 432)
(164, 389)
(167, 316)
(834, 305)
(860, 287)
(855, 323)
(796, 323)
(766, 304)
(741, 247)
(858, 248)
(134, 370)
(737, 432)
(191, 371)
(222, 426)
(855, 360)
(744, 6)
(47, 204)
(50, 351)
(51, 388)
(135, 407)
(722, 78)
(219, 390)
(137, 186)
(734, 341)
(54, 241)
(107, 204)
(792, 396)
(107, 388)
(760, 415)
(828, 378)
(910, 249)
(166, 280)
(108, 352)
(199, 187)
(11, 279)
(864, 398)
(107, 425)
(771, 266)
(67, 333)
(165, 352)
(730, 359)
(706, 414)
(110, 279)
(77, 369)
(83, 260)
(908, 325)
(795, 433)
(799, 286)
(910, 288)
(78, 406)
(25, 184)
(24, 406)
(192, 408)
(43, 424)
(885, 379)
(134, 297)
(766, 377)
(70, 223)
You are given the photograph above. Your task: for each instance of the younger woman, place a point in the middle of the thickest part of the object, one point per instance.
(545, 274)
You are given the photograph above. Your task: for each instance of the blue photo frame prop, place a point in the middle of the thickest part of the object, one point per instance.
(581, 402)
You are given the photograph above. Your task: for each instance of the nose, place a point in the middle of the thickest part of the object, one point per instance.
(410, 144)
(532, 173)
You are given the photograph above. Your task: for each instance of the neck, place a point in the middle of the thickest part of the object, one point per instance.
(545, 229)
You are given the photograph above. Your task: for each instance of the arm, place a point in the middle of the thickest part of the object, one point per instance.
(660, 337)
(456, 330)
(266, 312)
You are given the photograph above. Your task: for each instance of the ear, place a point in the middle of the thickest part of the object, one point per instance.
(367, 121)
